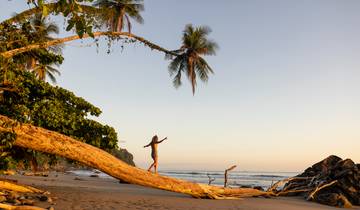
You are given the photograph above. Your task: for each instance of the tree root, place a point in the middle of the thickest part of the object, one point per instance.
(313, 193)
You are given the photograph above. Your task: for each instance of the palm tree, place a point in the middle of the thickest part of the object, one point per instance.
(42, 32)
(194, 44)
(120, 10)
(42, 71)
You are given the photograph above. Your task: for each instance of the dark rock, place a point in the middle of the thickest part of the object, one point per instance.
(321, 167)
(42, 198)
(123, 182)
(94, 175)
(259, 188)
(342, 193)
(333, 199)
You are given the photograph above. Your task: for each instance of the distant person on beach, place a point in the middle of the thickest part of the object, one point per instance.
(154, 154)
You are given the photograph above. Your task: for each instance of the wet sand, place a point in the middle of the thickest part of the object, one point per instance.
(91, 193)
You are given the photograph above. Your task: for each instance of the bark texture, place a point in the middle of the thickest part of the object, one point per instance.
(43, 140)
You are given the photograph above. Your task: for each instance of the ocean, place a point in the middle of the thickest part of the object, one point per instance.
(235, 178)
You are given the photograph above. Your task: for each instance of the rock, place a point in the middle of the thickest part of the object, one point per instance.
(321, 167)
(42, 198)
(345, 176)
(123, 182)
(94, 175)
(123, 155)
(333, 199)
(79, 179)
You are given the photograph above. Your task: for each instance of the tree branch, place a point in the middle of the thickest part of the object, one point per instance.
(11, 53)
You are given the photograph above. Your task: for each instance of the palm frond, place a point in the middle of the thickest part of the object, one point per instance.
(194, 44)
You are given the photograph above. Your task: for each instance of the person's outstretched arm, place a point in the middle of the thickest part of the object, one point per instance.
(161, 140)
(147, 145)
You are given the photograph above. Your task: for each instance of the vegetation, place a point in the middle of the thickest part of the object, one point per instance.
(121, 11)
(38, 117)
(195, 44)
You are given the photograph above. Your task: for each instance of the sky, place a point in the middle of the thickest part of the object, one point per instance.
(285, 93)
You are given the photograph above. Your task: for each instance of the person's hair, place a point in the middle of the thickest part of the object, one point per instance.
(154, 138)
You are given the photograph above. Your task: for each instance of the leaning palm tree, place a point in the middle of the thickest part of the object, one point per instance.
(194, 44)
(119, 11)
(43, 31)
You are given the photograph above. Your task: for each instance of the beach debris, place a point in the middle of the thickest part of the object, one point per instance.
(44, 174)
(210, 178)
(332, 181)
(79, 179)
(8, 172)
(14, 196)
(226, 174)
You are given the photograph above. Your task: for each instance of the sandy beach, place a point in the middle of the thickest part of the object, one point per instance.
(92, 193)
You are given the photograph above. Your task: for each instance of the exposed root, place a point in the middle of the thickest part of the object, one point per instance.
(281, 182)
(313, 193)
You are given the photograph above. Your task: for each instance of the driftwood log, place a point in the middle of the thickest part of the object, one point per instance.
(210, 179)
(226, 174)
(42, 140)
(22, 196)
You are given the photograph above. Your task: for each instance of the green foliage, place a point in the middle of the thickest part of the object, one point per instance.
(120, 11)
(123, 155)
(54, 108)
(6, 142)
(40, 61)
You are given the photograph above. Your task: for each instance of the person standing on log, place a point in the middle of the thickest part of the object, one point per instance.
(154, 154)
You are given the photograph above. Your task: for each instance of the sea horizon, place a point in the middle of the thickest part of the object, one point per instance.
(238, 178)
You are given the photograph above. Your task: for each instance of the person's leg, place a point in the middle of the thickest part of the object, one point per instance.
(151, 166)
(156, 165)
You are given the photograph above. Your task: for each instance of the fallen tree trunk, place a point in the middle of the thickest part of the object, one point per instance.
(39, 139)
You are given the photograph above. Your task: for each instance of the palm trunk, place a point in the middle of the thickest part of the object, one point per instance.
(11, 53)
(46, 141)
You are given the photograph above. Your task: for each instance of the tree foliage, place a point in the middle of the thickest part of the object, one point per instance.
(28, 53)
(56, 109)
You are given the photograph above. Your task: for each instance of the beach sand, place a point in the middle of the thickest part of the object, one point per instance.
(92, 193)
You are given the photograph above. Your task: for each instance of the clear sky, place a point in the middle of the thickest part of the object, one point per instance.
(285, 94)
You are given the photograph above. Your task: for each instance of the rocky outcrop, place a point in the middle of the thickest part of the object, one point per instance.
(124, 155)
(332, 181)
